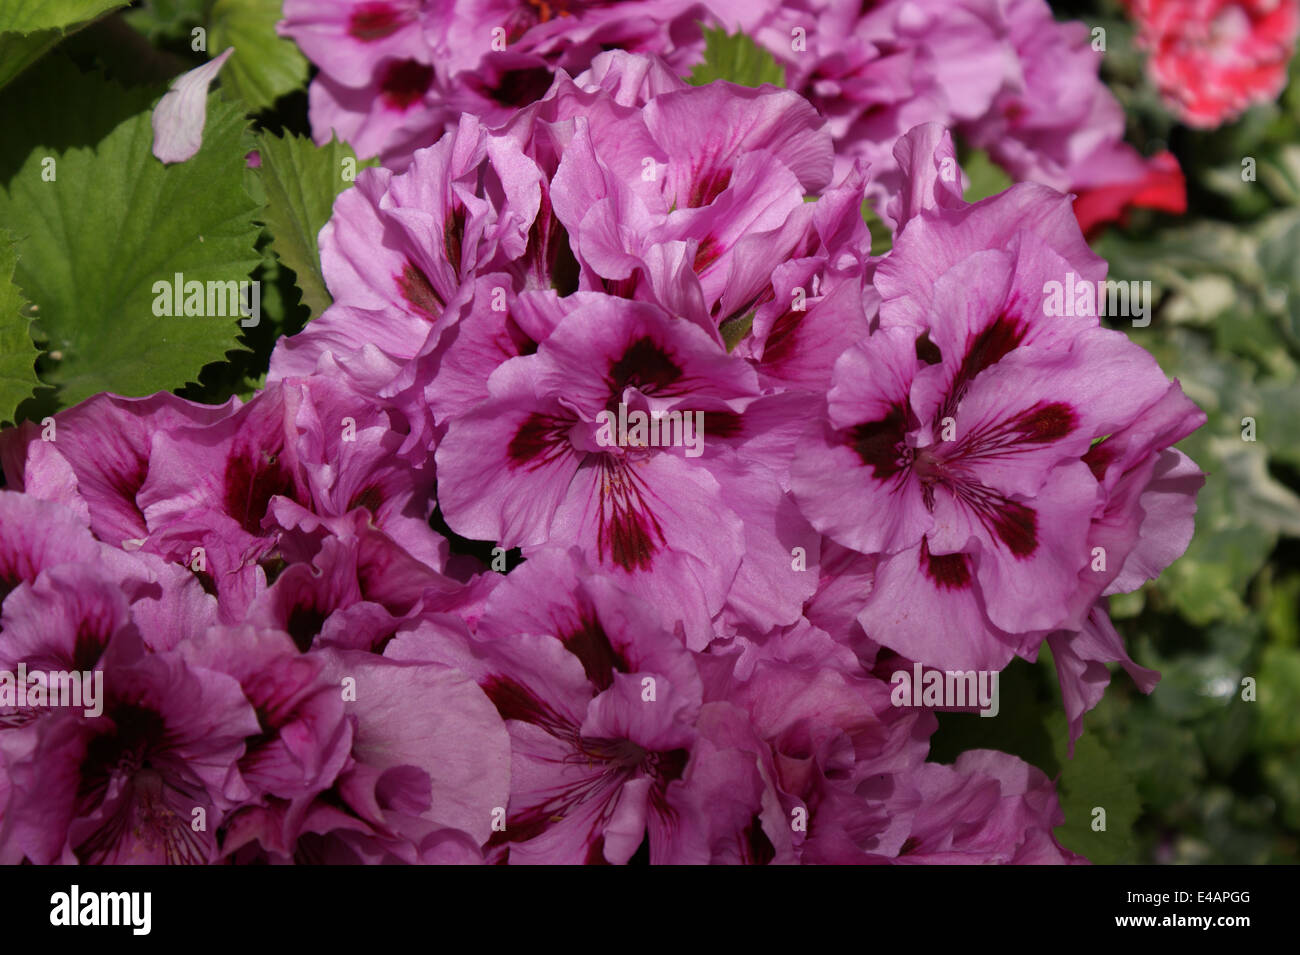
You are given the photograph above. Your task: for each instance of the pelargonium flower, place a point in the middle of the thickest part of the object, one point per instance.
(600, 700)
(965, 421)
(203, 729)
(395, 75)
(868, 461)
(1212, 59)
(96, 458)
(44, 544)
(591, 189)
(527, 467)
(875, 71)
(1012, 79)
(355, 590)
(361, 759)
(722, 195)
(1145, 524)
(987, 807)
(1062, 127)
(834, 757)
(537, 41)
(300, 459)
(376, 70)
(147, 781)
(304, 737)
(399, 250)
(36, 535)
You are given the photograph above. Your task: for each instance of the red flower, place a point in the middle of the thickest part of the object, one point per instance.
(1162, 187)
(1211, 59)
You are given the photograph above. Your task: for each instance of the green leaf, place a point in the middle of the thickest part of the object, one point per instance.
(265, 65)
(1282, 610)
(1243, 507)
(113, 222)
(28, 16)
(737, 59)
(17, 52)
(28, 28)
(301, 181)
(735, 329)
(1282, 771)
(882, 240)
(1163, 757)
(986, 177)
(1094, 779)
(1278, 695)
(1175, 257)
(17, 353)
(166, 19)
(56, 108)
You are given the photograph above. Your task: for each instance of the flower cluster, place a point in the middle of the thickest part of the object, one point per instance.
(396, 73)
(597, 516)
(1007, 76)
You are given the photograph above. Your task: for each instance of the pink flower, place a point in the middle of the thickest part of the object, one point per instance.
(1061, 126)
(1212, 59)
(963, 427)
(396, 73)
(127, 786)
(986, 807)
(528, 466)
(600, 701)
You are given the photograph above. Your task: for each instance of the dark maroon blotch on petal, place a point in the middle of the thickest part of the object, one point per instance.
(645, 366)
(1017, 526)
(521, 87)
(253, 477)
(628, 533)
(515, 702)
(707, 185)
(879, 443)
(404, 83)
(948, 571)
(1047, 422)
(374, 21)
(1100, 457)
(706, 253)
(758, 847)
(590, 644)
(722, 424)
(539, 439)
(780, 344)
(418, 291)
(987, 348)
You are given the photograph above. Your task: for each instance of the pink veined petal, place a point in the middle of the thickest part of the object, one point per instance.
(179, 117)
